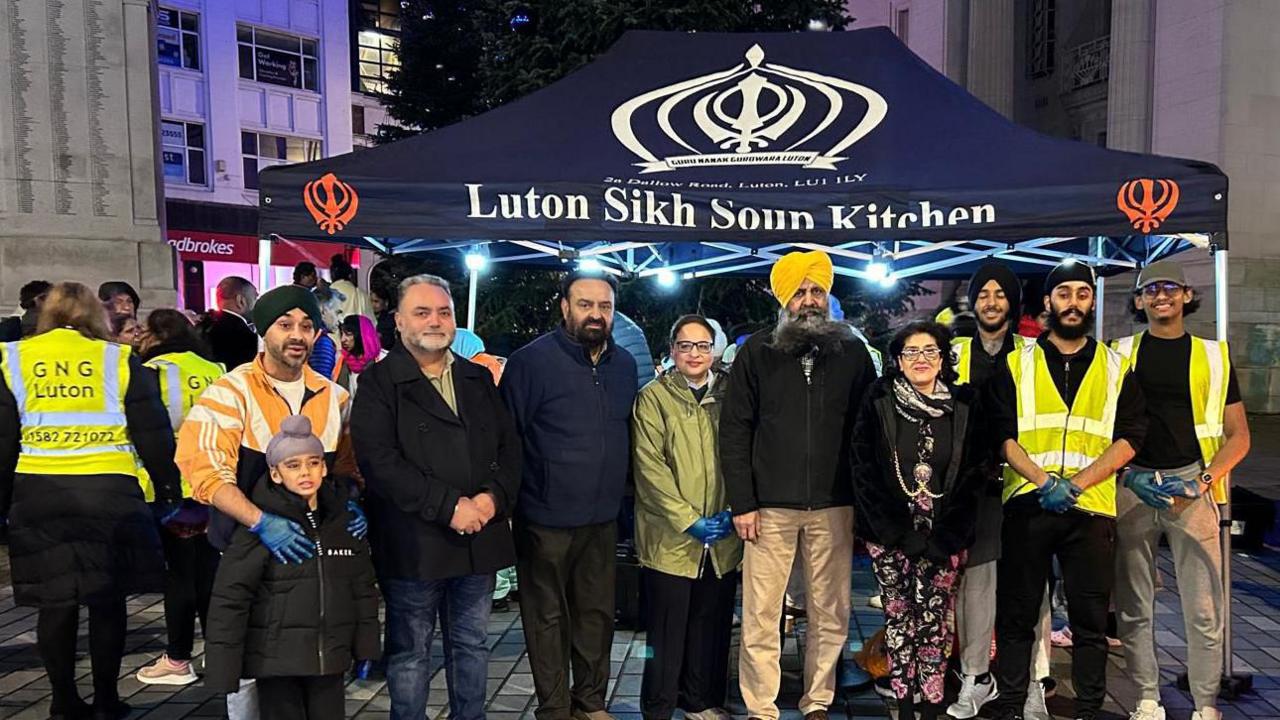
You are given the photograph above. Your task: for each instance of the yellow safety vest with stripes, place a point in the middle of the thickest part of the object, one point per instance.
(183, 377)
(1061, 439)
(962, 347)
(1210, 374)
(70, 394)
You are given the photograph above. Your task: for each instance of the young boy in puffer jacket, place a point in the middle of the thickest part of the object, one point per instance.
(296, 628)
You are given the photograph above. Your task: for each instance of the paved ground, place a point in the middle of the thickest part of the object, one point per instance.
(24, 690)
(1256, 601)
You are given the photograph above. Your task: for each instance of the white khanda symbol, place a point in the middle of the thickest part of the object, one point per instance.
(750, 135)
(749, 129)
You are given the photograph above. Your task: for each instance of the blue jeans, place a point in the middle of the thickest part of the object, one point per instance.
(463, 604)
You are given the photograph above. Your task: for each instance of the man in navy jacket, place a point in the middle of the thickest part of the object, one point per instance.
(570, 393)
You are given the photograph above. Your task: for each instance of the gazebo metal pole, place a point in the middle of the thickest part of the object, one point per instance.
(264, 263)
(1099, 304)
(471, 299)
(1232, 686)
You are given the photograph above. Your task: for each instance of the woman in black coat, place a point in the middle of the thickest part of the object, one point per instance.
(80, 529)
(920, 465)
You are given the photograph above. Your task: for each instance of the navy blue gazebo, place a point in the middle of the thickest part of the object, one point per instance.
(710, 153)
(686, 155)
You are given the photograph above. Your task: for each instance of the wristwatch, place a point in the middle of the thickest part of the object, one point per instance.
(1206, 478)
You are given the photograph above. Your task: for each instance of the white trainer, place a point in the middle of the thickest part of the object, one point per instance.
(165, 671)
(1207, 714)
(973, 695)
(1035, 709)
(1147, 710)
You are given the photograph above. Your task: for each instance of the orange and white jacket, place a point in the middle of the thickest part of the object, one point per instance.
(224, 438)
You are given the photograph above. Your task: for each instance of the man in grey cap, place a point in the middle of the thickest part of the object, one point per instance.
(1197, 432)
(1067, 415)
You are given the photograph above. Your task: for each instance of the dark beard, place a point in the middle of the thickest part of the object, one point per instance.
(591, 338)
(811, 330)
(1067, 332)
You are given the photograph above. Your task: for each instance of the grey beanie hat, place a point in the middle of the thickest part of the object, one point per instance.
(294, 439)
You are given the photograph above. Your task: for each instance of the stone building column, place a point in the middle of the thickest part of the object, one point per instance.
(991, 67)
(1129, 84)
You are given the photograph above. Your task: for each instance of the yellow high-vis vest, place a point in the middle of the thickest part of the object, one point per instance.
(1210, 374)
(962, 347)
(70, 395)
(1061, 439)
(183, 377)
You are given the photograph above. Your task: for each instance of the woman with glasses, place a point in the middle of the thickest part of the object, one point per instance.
(684, 533)
(920, 464)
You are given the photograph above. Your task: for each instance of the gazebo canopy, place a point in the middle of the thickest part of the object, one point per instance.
(704, 153)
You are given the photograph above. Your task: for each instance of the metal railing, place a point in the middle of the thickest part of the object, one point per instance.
(1086, 64)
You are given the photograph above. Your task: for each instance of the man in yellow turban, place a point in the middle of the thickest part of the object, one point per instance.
(789, 407)
(801, 271)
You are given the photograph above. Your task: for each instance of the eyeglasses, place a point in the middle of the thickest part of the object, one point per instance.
(1169, 287)
(688, 346)
(930, 353)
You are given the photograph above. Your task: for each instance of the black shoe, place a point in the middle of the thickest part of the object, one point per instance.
(501, 606)
(81, 711)
(118, 710)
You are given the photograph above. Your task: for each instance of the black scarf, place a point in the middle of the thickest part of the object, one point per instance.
(919, 408)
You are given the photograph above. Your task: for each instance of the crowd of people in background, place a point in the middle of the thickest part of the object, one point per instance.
(283, 463)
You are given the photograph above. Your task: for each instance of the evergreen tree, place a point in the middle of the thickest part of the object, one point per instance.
(461, 58)
(437, 83)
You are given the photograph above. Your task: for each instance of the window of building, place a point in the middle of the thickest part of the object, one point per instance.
(357, 119)
(1041, 38)
(377, 41)
(278, 59)
(182, 151)
(261, 150)
(903, 24)
(178, 38)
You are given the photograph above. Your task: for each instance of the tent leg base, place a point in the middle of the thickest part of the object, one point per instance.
(1233, 686)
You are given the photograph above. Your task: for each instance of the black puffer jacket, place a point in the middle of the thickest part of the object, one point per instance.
(882, 507)
(269, 619)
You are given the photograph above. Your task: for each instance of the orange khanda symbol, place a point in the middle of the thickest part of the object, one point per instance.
(1146, 202)
(331, 202)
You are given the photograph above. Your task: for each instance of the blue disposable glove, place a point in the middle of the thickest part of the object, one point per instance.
(359, 525)
(165, 510)
(1144, 484)
(703, 530)
(723, 521)
(1181, 487)
(1058, 495)
(284, 538)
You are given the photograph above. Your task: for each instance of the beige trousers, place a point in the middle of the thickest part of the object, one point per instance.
(824, 541)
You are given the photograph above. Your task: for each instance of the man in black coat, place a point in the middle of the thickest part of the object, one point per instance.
(441, 461)
(227, 329)
(794, 392)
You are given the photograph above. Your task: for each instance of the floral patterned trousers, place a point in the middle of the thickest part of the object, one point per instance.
(919, 597)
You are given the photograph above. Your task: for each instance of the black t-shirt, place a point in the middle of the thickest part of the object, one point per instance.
(1164, 372)
(982, 367)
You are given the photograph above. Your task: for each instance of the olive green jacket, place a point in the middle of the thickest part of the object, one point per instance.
(677, 475)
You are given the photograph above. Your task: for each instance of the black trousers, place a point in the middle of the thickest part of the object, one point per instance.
(56, 641)
(1085, 547)
(191, 564)
(314, 697)
(566, 604)
(689, 625)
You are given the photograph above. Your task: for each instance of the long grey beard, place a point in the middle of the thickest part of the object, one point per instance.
(798, 336)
